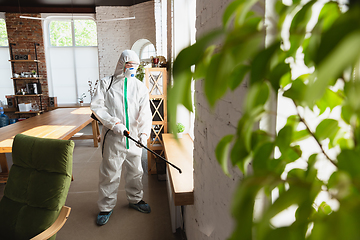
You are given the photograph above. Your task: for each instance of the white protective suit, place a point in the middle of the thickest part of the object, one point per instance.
(127, 102)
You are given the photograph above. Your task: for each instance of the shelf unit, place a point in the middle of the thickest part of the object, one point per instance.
(26, 80)
(156, 81)
(30, 61)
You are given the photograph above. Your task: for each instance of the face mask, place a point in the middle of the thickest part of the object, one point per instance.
(130, 72)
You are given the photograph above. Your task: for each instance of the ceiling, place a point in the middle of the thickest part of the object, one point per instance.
(63, 6)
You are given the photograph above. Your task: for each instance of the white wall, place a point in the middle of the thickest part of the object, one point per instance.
(144, 24)
(116, 36)
(210, 217)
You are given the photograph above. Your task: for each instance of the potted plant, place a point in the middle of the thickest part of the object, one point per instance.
(180, 129)
(92, 87)
(81, 99)
(34, 73)
(334, 134)
(140, 72)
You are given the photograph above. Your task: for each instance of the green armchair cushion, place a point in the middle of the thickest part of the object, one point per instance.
(37, 186)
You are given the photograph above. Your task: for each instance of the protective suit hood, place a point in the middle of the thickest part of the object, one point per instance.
(126, 56)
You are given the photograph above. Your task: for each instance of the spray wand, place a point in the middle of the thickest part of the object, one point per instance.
(127, 134)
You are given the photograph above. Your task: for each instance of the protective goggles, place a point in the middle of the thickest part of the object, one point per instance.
(128, 65)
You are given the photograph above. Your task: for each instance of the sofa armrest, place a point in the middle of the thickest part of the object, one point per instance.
(56, 226)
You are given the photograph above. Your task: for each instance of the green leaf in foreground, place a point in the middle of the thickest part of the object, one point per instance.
(222, 152)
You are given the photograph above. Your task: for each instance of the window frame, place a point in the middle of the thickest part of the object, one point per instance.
(142, 49)
(6, 76)
(47, 42)
(65, 17)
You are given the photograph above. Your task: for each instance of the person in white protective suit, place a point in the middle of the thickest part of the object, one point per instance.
(121, 103)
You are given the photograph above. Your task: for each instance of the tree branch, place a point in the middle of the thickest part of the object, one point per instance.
(313, 135)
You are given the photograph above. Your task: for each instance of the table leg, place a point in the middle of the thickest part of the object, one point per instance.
(4, 168)
(95, 128)
(98, 131)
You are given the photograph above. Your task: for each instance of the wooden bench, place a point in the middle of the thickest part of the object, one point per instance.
(180, 186)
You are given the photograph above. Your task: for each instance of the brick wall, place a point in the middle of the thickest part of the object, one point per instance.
(143, 26)
(117, 36)
(24, 33)
(210, 216)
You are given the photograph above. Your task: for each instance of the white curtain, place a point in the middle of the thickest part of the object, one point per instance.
(70, 70)
(6, 83)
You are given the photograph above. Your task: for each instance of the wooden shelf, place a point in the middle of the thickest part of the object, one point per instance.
(26, 79)
(25, 60)
(29, 95)
(29, 78)
(156, 82)
(31, 112)
(9, 109)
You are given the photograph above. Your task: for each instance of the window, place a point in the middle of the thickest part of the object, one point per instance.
(6, 86)
(183, 35)
(62, 32)
(3, 34)
(147, 51)
(72, 57)
(85, 33)
(144, 49)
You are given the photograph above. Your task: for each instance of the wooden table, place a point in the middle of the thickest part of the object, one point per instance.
(61, 123)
